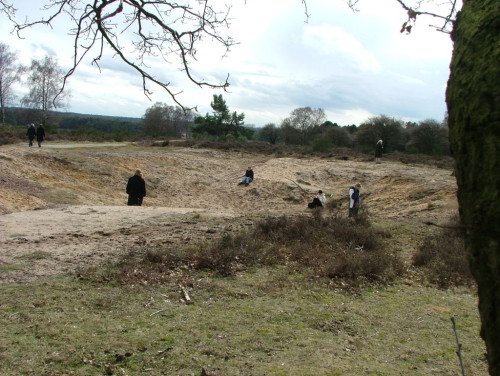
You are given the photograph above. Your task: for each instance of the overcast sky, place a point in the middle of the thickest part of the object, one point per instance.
(351, 64)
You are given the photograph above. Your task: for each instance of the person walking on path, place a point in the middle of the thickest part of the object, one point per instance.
(248, 178)
(354, 201)
(40, 135)
(136, 189)
(31, 133)
(379, 147)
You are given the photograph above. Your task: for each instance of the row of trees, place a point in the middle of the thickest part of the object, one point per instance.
(304, 126)
(43, 80)
(162, 120)
(308, 126)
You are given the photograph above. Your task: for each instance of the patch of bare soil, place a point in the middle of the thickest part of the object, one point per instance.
(63, 206)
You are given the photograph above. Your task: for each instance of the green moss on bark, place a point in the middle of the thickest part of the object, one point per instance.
(473, 98)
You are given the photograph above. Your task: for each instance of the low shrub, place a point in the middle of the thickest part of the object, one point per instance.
(443, 259)
(323, 244)
(11, 135)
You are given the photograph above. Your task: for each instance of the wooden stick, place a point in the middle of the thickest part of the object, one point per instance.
(186, 295)
(298, 186)
(161, 310)
(459, 346)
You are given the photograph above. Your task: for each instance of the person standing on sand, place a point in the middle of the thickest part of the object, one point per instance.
(136, 189)
(379, 147)
(354, 201)
(31, 133)
(40, 135)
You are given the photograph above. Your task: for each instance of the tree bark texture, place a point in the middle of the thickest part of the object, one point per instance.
(473, 99)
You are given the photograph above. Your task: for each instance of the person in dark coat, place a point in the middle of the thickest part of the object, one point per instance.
(40, 135)
(379, 147)
(31, 133)
(136, 189)
(354, 201)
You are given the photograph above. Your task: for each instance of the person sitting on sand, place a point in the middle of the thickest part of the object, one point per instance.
(317, 201)
(248, 178)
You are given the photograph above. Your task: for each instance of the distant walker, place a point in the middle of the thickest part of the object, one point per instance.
(40, 135)
(31, 133)
(379, 148)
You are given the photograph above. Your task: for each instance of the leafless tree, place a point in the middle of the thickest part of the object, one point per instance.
(44, 82)
(162, 120)
(10, 73)
(154, 28)
(303, 119)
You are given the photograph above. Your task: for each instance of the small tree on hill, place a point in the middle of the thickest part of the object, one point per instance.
(270, 133)
(302, 121)
(222, 122)
(384, 128)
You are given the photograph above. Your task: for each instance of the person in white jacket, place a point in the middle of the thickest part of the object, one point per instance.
(318, 201)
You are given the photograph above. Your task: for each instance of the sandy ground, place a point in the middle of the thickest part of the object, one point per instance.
(63, 206)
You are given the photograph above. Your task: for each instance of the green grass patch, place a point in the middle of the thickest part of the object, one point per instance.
(10, 267)
(263, 321)
(36, 255)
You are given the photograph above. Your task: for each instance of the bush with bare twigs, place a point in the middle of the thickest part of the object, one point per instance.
(443, 259)
(322, 244)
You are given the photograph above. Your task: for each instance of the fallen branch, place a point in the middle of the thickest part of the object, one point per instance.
(459, 346)
(298, 186)
(159, 311)
(459, 227)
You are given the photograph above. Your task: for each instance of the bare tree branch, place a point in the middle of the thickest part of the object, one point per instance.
(415, 11)
(153, 28)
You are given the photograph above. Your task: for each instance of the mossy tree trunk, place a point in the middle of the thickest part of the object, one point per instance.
(473, 99)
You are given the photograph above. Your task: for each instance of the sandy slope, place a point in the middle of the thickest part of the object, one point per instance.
(63, 205)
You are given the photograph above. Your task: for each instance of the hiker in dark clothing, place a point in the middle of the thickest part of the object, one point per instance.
(136, 189)
(31, 133)
(379, 147)
(40, 135)
(248, 178)
(354, 201)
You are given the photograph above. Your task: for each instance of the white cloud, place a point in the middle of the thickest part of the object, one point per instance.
(335, 42)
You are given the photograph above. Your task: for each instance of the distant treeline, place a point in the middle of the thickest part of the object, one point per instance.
(75, 121)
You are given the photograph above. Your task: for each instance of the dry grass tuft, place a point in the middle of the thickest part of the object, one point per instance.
(443, 258)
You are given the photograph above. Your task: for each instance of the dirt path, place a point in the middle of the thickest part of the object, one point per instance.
(63, 205)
